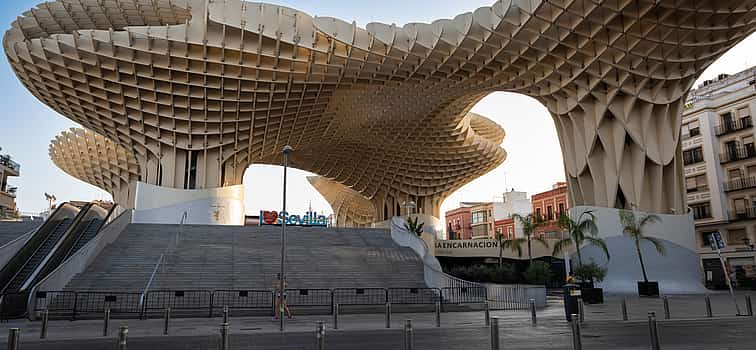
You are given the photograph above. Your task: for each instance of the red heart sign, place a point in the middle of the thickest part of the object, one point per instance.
(270, 217)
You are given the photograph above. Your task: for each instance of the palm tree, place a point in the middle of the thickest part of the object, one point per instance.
(413, 227)
(582, 230)
(529, 224)
(513, 244)
(634, 227)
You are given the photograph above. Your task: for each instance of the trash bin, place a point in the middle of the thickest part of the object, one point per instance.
(571, 295)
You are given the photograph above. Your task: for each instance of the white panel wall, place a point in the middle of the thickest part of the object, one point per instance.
(214, 206)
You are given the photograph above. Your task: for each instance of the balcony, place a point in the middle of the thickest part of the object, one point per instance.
(743, 214)
(740, 184)
(698, 189)
(8, 163)
(738, 153)
(737, 125)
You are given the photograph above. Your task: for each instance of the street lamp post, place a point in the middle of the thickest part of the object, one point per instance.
(281, 305)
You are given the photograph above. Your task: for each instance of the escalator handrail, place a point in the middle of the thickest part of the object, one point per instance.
(21, 268)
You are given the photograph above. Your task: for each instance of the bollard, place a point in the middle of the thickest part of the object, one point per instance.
(495, 333)
(224, 333)
(225, 314)
(624, 309)
(667, 315)
(106, 323)
(320, 332)
(749, 306)
(487, 314)
(653, 331)
(167, 317)
(533, 320)
(123, 332)
(388, 315)
(336, 316)
(577, 341)
(43, 330)
(438, 314)
(581, 310)
(709, 314)
(409, 336)
(13, 338)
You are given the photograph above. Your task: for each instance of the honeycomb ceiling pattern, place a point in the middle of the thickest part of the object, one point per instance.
(350, 208)
(384, 109)
(96, 160)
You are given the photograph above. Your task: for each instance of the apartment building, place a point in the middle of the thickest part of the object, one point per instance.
(549, 206)
(7, 193)
(477, 220)
(719, 158)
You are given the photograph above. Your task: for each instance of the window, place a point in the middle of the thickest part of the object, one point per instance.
(538, 212)
(550, 212)
(736, 236)
(478, 217)
(693, 156)
(728, 122)
(701, 211)
(740, 205)
(735, 174)
(750, 150)
(696, 184)
(561, 209)
(509, 232)
(744, 115)
(705, 237)
(751, 170)
(691, 129)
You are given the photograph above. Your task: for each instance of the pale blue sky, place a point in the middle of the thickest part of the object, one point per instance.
(534, 162)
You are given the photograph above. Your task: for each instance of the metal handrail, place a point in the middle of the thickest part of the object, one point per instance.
(161, 260)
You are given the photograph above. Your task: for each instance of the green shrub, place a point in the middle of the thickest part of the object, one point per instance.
(538, 272)
(485, 273)
(590, 272)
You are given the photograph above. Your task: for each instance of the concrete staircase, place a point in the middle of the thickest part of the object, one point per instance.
(10, 230)
(223, 257)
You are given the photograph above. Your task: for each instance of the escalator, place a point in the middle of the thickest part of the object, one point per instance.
(67, 230)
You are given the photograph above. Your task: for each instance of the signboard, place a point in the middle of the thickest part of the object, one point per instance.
(715, 241)
(308, 219)
(468, 248)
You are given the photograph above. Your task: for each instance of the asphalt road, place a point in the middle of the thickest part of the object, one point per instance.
(702, 334)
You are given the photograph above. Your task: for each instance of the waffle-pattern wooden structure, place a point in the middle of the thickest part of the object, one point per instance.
(200, 89)
(97, 160)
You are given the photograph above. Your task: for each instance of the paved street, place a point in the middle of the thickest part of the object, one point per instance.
(602, 330)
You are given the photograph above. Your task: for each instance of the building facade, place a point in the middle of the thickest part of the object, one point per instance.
(472, 220)
(720, 169)
(549, 206)
(8, 168)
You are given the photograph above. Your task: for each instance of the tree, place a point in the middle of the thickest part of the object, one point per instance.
(634, 226)
(582, 230)
(529, 224)
(414, 227)
(513, 244)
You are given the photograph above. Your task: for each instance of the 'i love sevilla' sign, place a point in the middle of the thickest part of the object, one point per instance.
(308, 219)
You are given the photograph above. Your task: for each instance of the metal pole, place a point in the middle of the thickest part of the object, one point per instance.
(388, 315)
(438, 314)
(488, 315)
(495, 333)
(533, 320)
(624, 309)
(581, 310)
(123, 332)
(167, 317)
(749, 306)
(653, 331)
(336, 316)
(708, 307)
(667, 315)
(409, 336)
(225, 314)
(577, 341)
(286, 151)
(320, 332)
(224, 332)
(43, 331)
(106, 322)
(13, 338)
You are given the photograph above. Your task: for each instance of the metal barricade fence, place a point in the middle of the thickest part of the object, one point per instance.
(507, 297)
(120, 304)
(314, 299)
(181, 302)
(245, 301)
(464, 295)
(360, 296)
(414, 296)
(59, 304)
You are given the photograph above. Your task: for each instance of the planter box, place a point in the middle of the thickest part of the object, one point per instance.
(648, 289)
(592, 295)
